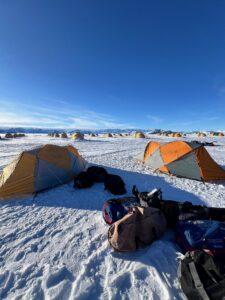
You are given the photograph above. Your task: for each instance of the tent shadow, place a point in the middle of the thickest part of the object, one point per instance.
(66, 196)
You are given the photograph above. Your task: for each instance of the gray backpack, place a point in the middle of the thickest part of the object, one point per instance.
(137, 229)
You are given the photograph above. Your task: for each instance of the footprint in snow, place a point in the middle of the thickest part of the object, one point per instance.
(19, 256)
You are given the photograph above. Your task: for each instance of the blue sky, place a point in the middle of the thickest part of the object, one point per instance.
(113, 64)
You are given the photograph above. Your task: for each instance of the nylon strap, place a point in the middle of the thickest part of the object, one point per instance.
(197, 281)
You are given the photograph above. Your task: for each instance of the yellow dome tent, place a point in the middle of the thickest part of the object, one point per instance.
(63, 135)
(177, 134)
(139, 135)
(77, 136)
(201, 134)
(8, 135)
(108, 135)
(41, 168)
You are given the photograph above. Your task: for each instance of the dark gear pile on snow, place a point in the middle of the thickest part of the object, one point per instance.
(97, 174)
(88, 178)
(115, 184)
(137, 229)
(112, 183)
(202, 276)
(83, 180)
(201, 234)
(115, 209)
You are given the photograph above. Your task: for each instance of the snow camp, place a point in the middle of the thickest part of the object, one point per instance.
(112, 150)
(63, 223)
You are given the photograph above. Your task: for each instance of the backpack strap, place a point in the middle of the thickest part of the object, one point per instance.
(198, 284)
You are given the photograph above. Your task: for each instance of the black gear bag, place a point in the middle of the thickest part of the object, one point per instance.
(202, 276)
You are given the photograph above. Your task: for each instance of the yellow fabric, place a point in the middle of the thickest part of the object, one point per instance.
(17, 178)
(77, 136)
(177, 134)
(72, 150)
(139, 135)
(55, 155)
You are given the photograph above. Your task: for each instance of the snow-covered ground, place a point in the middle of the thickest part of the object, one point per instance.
(54, 245)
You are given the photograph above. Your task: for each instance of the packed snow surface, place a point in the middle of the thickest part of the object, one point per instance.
(54, 245)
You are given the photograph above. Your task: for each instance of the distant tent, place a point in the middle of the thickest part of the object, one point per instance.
(177, 134)
(56, 165)
(190, 160)
(120, 134)
(63, 135)
(77, 136)
(139, 135)
(8, 135)
(201, 134)
(108, 135)
(216, 134)
(92, 135)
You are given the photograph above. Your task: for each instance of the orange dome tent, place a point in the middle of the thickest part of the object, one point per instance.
(182, 159)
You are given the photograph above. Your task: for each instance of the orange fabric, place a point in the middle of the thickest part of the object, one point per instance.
(55, 155)
(210, 170)
(150, 148)
(164, 169)
(173, 151)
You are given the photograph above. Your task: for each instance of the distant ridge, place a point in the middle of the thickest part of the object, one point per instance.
(47, 130)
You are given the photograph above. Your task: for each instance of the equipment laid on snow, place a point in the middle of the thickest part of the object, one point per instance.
(41, 168)
(182, 159)
(202, 235)
(174, 210)
(202, 276)
(97, 174)
(115, 209)
(137, 229)
(115, 184)
(147, 199)
(83, 180)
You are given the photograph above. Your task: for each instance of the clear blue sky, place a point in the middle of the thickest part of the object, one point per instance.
(106, 64)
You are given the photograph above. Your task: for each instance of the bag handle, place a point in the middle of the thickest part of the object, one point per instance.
(198, 284)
